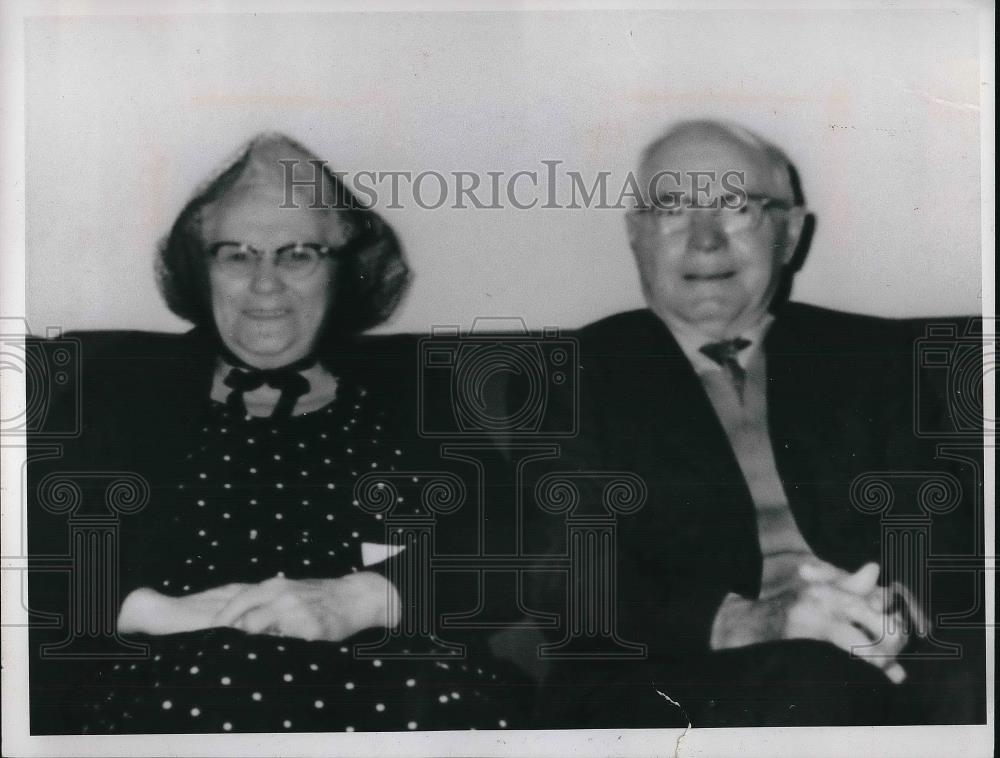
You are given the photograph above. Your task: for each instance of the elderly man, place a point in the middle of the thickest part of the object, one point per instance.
(749, 575)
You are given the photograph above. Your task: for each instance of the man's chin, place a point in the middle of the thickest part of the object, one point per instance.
(713, 319)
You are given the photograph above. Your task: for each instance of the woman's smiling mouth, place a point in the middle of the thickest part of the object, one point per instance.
(266, 313)
(709, 277)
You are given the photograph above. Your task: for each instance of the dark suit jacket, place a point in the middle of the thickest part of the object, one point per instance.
(841, 391)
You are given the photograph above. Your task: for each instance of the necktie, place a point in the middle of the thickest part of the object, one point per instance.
(724, 353)
(287, 379)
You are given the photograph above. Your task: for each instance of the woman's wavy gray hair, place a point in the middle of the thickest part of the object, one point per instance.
(369, 284)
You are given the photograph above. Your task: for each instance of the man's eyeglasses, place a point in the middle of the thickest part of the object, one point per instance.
(675, 215)
(298, 260)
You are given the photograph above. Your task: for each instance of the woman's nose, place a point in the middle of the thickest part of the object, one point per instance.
(266, 278)
(706, 232)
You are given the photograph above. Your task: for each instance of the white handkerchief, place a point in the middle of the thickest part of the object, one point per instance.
(375, 552)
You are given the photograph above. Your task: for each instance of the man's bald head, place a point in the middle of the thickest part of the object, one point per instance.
(720, 148)
(720, 220)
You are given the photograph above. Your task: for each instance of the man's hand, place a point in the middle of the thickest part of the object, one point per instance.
(847, 610)
(313, 609)
(830, 605)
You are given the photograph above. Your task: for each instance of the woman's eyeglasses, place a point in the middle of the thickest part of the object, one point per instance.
(676, 215)
(298, 260)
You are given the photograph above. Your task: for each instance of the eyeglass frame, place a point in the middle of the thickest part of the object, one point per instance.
(658, 212)
(322, 250)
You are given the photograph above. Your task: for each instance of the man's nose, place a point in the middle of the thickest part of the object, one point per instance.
(266, 278)
(707, 234)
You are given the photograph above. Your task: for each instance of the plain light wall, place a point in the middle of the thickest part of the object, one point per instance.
(879, 110)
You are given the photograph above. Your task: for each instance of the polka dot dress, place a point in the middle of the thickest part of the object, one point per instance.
(261, 498)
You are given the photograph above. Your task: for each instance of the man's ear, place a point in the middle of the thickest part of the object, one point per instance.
(795, 222)
(633, 224)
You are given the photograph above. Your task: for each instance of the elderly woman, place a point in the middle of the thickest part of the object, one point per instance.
(252, 572)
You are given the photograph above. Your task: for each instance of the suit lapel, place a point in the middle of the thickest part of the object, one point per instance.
(699, 504)
(808, 424)
(671, 407)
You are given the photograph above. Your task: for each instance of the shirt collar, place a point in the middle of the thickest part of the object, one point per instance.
(691, 341)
